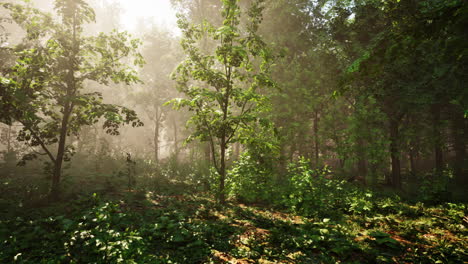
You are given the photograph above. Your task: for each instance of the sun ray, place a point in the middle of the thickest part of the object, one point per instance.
(159, 12)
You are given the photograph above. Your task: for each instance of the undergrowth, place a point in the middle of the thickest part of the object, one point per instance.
(313, 218)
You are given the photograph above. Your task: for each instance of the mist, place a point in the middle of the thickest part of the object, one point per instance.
(216, 131)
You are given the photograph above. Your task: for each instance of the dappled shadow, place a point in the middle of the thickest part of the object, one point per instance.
(147, 227)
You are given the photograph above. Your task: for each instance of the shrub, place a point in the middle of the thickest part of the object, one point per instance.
(249, 181)
(433, 188)
(313, 192)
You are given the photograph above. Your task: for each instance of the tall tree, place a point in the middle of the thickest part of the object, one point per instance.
(159, 46)
(45, 89)
(222, 88)
(404, 49)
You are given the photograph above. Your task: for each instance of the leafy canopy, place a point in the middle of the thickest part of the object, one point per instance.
(54, 67)
(222, 88)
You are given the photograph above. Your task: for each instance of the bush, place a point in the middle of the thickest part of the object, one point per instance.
(313, 192)
(249, 181)
(434, 187)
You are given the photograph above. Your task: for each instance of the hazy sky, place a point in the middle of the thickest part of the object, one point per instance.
(159, 11)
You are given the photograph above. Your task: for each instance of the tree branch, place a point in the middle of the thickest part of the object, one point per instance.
(41, 143)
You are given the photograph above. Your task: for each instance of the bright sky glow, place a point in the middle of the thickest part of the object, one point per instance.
(158, 11)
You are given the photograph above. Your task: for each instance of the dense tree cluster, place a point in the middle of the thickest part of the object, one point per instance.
(375, 90)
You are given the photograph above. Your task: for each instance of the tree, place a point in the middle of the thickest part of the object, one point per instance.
(200, 10)
(406, 55)
(45, 90)
(158, 89)
(222, 88)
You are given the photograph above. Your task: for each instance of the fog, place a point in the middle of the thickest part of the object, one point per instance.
(154, 23)
(262, 82)
(233, 131)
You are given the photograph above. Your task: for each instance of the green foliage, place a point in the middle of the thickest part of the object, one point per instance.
(94, 234)
(105, 233)
(250, 181)
(153, 228)
(365, 137)
(253, 176)
(314, 192)
(383, 239)
(434, 187)
(398, 53)
(359, 83)
(318, 237)
(222, 88)
(44, 91)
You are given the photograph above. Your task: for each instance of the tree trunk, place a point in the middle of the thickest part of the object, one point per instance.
(55, 192)
(9, 139)
(316, 138)
(439, 162)
(412, 156)
(80, 141)
(282, 164)
(67, 110)
(156, 135)
(176, 139)
(342, 163)
(10, 155)
(394, 153)
(224, 138)
(206, 168)
(222, 172)
(156, 142)
(362, 166)
(292, 150)
(207, 152)
(460, 135)
(236, 150)
(303, 145)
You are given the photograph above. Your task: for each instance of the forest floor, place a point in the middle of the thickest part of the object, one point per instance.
(144, 227)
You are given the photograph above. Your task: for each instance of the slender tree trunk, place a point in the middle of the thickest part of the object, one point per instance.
(67, 110)
(316, 137)
(176, 139)
(223, 146)
(156, 142)
(412, 156)
(10, 156)
(207, 151)
(439, 162)
(292, 150)
(236, 150)
(55, 192)
(362, 166)
(282, 167)
(206, 168)
(336, 139)
(97, 161)
(156, 135)
(9, 139)
(342, 163)
(460, 136)
(80, 141)
(224, 138)
(302, 143)
(222, 173)
(394, 153)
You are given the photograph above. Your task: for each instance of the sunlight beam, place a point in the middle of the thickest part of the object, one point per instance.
(158, 11)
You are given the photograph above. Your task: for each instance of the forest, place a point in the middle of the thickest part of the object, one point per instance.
(253, 131)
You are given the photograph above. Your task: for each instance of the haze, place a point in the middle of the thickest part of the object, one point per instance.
(260, 131)
(158, 11)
